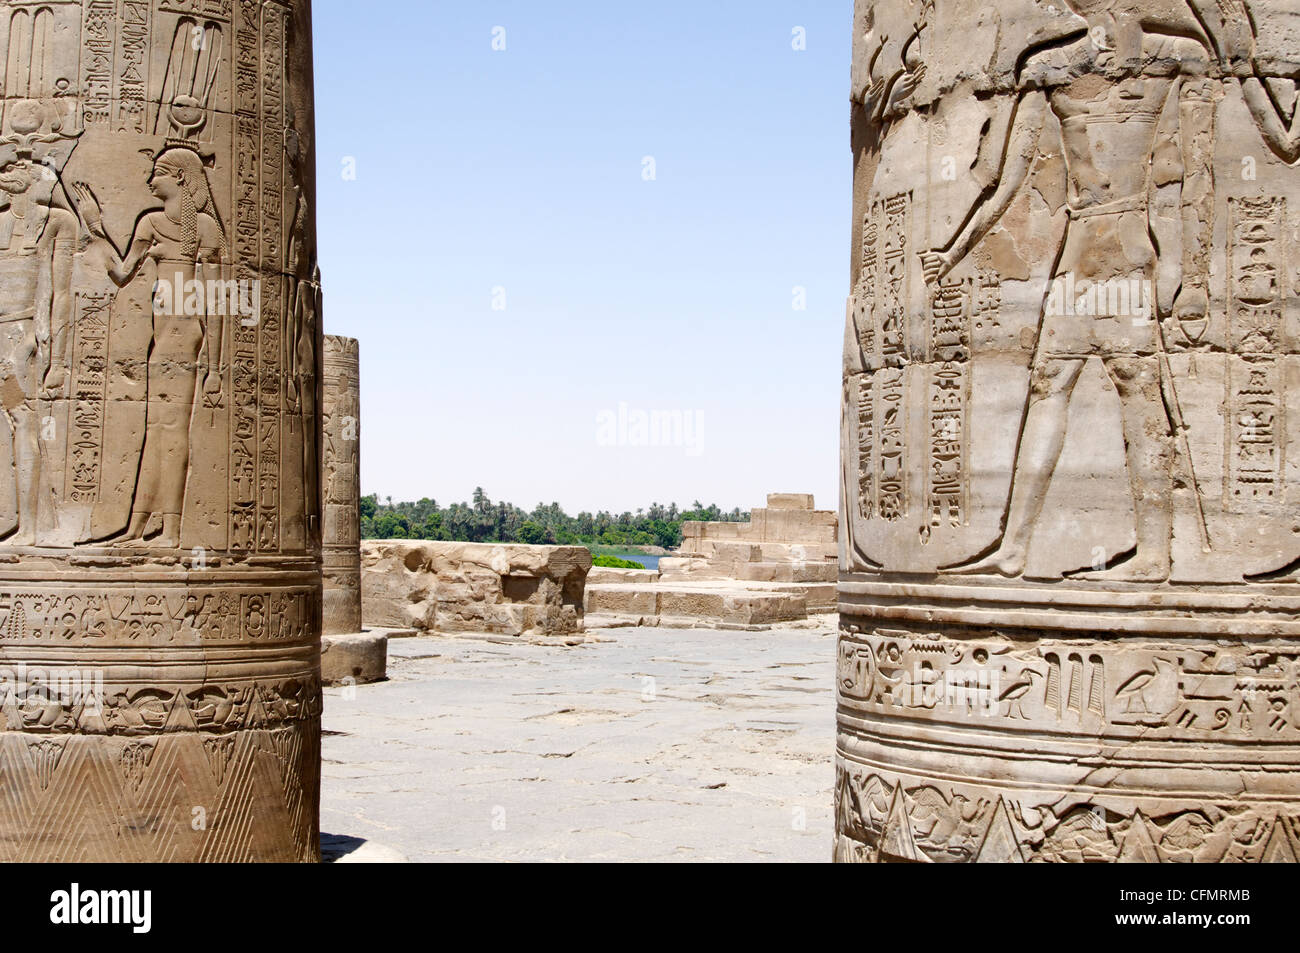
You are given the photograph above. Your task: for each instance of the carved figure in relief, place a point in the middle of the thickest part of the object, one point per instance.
(180, 243)
(37, 242)
(1230, 23)
(1015, 694)
(340, 455)
(1116, 93)
(303, 315)
(890, 84)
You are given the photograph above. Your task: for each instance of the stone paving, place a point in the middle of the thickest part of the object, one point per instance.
(638, 745)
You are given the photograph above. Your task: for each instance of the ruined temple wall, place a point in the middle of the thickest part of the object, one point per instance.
(788, 520)
(500, 588)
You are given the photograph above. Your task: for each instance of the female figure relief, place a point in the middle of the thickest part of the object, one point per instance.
(173, 247)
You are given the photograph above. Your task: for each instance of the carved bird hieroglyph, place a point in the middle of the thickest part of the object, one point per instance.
(1151, 691)
(1015, 694)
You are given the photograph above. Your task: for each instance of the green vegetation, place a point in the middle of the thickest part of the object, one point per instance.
(613, 562)
(482, 521)
(598, 550)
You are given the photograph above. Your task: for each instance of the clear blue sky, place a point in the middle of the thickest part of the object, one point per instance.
(522, 170)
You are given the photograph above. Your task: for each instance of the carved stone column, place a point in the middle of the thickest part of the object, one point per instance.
(160, 572)
(1071, 461)
(341, 478)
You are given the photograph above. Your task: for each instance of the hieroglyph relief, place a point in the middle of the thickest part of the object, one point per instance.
(159, 342)
(341, 486)
(1076, 306)
(1070, 475)
(160, 284)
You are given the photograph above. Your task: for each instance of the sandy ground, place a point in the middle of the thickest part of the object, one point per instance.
(638, 745)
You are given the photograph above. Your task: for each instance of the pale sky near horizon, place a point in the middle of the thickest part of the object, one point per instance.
(518, 177)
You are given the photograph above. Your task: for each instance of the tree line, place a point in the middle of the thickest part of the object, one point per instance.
(483, 521)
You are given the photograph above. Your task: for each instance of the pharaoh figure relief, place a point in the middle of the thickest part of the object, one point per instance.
(159, 341)
(1070, 482)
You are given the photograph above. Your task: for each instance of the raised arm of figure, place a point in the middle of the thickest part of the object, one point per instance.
(1017, 159)
(1229, 25)
(122, 267)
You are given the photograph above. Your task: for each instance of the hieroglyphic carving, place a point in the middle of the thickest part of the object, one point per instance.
(154, 617)
(341, 479)
(864, 315)
(1256, 398)
(946, 474)
(100, 19)
(270, 358)
(894, 217)
(41, 702)
(144, 425)
(1070, 478)
(891, 426)
(1192, 690)
(866, 443)
(89, 380)
(130, 97)
(244, 455)
(949, 350)
(934, 821)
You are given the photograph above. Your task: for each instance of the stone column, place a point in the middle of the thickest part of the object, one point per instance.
(341, 477)
(1070, 491)
(160, 568)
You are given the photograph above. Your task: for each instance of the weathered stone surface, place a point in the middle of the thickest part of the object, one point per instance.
(706, 604)
(354, 659)
(776, 568)
(341, 487)
(786, 541)
(640, 745)
(788, 529)
(1069, 491)
(604, 574)
(678, 600)
(505, 588)
(160, 563)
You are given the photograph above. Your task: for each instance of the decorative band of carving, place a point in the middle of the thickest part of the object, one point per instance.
(890, 816)
(163, 616)
(1074, 696)
(340, 348)
(64, 700)
(1255, 611)
(231, 797)
(959, 744)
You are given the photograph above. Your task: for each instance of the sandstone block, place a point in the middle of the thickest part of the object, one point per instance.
(360, 657)
(506, 589)
(789, 501)
(603, 574)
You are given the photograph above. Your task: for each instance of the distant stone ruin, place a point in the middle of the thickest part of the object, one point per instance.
(788, 541)
(781, 566)
(494, 588)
